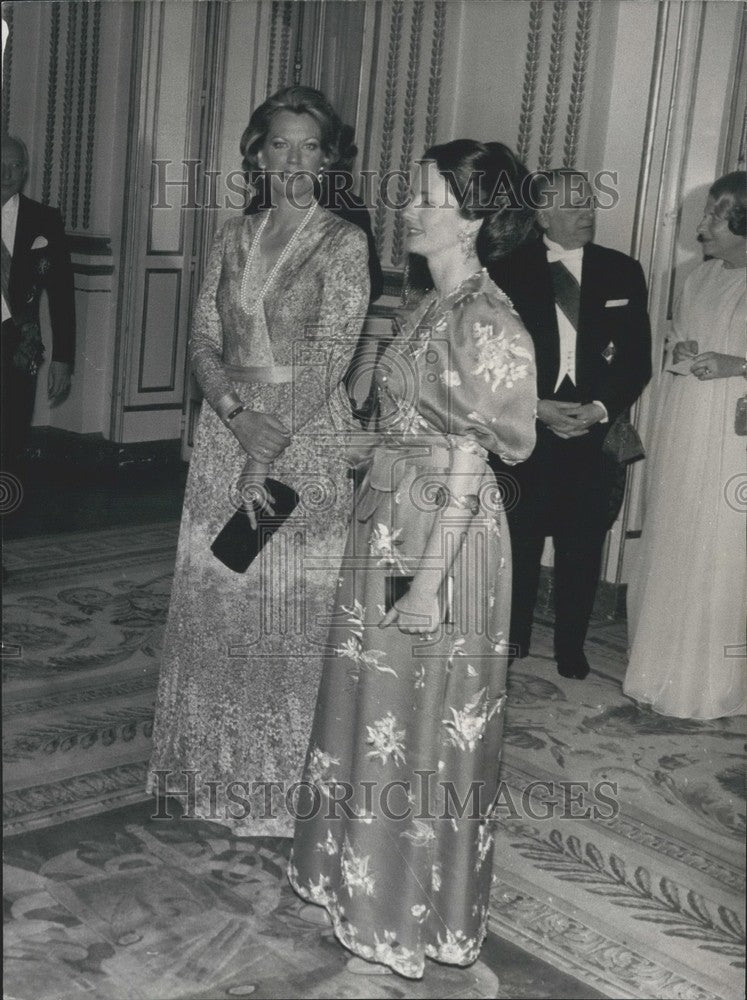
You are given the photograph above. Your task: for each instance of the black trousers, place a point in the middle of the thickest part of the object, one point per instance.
(562, 490)
(16, 403)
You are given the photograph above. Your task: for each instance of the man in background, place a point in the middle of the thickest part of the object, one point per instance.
(585, 308)
(34, 259)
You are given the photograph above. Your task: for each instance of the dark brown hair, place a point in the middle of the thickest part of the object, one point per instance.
(487, 180)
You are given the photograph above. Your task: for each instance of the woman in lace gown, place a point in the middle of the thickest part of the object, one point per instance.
(410, 712)
(278, 317)
(688, 596)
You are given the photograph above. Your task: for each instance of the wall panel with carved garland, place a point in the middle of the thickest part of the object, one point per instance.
(405, 73)
(68, 53)
(380, 64)
(392, 69)
(62, 94)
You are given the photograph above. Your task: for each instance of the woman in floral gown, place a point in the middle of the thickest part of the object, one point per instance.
(392, 835)
(278, 317)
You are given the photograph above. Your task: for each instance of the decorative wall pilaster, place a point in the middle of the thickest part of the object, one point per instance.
(73, 126)
(735, 141)
(529, 90)
(72, 88)
(578, 82)
(7, 66)
(552, 92)
(69, 51)
(407, 73)
(548, 50)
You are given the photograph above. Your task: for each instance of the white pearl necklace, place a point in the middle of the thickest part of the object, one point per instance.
(254, 307)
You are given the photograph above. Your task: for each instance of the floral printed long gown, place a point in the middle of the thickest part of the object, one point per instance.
(392, 836)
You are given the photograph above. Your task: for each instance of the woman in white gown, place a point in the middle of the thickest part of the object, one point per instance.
(686, 601)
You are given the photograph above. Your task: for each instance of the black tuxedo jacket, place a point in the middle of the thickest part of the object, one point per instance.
(46, 268)
(613, 345)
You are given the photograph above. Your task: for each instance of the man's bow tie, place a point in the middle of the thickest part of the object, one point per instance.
(564, 255)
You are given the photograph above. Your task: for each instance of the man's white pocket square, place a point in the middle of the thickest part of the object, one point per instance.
(611, 303)
(39, 243)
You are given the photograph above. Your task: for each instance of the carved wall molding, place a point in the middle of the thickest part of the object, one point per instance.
(72, 84)
(389, 114)
(298, 51)
(565, 80)
(552, 92)
(578, 80)
(91, 131)
(81, 102)
(735, 147)
(434, 79)
(71, 17)
(7, 65)
(529, 90)
(285, 43)
(273, 43)
(54, 49)
(408, 127)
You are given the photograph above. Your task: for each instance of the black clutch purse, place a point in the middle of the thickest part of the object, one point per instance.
(238, 544)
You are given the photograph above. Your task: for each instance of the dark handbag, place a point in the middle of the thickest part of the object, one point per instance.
(622, 442)
(238, 544)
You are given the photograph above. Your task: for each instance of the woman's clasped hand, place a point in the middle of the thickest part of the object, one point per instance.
(262, 435)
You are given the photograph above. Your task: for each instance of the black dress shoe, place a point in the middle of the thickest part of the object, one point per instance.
(573, 666)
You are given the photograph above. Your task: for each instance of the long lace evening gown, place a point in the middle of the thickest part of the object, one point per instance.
(243, 652)
(687, 598)
(424, 713)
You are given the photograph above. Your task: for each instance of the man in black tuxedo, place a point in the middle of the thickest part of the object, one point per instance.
(34, 259)
(585, 308)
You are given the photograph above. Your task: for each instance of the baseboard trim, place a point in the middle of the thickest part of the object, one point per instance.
(53, 447)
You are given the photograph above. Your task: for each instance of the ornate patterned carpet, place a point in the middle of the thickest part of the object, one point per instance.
(620, 857)
(640, 893)
(121, 907)
(82, 622)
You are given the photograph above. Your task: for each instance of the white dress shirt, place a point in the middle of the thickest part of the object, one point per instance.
(10, 222)
(573, 261)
